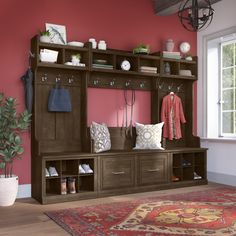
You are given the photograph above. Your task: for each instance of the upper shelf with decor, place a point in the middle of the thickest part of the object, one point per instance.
(111, 61)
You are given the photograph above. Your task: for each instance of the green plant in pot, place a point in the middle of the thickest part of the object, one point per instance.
(75, 59)
(45, 36)
(141, 49)
(11, 125)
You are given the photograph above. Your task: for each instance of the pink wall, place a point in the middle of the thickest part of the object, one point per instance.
(123, 24)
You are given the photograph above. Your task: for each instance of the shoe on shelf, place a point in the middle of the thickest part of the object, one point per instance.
(87, 168)
(46, 173)
(196, 176)
(81, 170)
(63, 186)
(71, 185)
(174, 178)
(52, 171)
(186, 163)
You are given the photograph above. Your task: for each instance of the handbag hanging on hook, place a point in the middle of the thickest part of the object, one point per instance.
(59, 99)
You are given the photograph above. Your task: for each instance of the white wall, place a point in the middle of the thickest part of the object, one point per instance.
(222, 153)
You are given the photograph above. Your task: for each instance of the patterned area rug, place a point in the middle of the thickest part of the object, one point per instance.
(211, 212)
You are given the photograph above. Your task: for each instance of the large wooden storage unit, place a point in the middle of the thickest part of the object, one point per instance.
(62, 139)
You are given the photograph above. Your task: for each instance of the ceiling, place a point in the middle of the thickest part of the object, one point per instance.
(168, 7)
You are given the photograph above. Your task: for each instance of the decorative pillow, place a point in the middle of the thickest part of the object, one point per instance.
(148, 136)
(101, 136)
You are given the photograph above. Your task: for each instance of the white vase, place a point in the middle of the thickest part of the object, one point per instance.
(8, 190)
(170, 45)
(44, 39)
(102, 45)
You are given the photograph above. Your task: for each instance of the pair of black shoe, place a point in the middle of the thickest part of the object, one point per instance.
(186, 163)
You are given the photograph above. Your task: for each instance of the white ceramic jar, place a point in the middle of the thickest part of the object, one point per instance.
(102, 45)
(94, 43)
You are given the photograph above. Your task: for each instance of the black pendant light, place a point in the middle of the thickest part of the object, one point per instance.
(195, 15)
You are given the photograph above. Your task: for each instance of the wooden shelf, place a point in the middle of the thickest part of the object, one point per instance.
(61, 66)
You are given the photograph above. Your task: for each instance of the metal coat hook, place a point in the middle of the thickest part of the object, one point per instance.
(160, 86)
(58, 78)
(31, 54)
(44, 78)
(71, 80)
(112, 83)
(127, 83)
(170, 86)
(142, 84)
(179, 87)
(95, 82)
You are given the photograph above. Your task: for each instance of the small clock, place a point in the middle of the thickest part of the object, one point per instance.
(184, 47)
(125, 65)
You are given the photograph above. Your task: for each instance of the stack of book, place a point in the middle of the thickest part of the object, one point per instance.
(148, 69)
(173, 55)
(103, 66)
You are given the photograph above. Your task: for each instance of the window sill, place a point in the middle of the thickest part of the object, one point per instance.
(222, 140)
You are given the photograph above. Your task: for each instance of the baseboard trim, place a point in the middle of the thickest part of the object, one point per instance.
(24, 191)
(221, 178)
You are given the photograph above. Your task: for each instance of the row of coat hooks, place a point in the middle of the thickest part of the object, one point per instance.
(58, 79)
(113, 83)
(170, 87)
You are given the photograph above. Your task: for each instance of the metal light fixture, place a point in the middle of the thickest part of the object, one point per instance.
(195, 15)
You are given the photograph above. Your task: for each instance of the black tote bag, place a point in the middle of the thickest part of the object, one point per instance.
(59, 100)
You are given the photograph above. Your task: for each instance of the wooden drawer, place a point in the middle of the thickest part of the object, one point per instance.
(153, 169)
(117, 171)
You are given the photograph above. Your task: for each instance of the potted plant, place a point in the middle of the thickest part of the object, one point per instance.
(141, 49)
(11, 125)
(45, 36)
(75, 59)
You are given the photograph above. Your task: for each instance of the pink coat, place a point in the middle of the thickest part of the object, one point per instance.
(172, 101)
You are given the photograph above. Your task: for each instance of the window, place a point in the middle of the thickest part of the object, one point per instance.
(220, 87)
(228, 89)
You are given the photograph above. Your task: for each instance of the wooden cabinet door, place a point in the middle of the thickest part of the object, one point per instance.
(117, 171)
(153, 168)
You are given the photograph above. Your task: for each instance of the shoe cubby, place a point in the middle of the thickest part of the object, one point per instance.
(200, 165)
(69, 168)
(89, 162)
(187, 174)
(49, 166)
(53, 186)
(188, 166)
(187, 160)
(86, 183)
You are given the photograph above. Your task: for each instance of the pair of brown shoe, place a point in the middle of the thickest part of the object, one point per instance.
(68, 184)
(174, 178)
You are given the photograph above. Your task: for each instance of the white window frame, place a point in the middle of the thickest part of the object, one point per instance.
(203, 85)
(222, 134)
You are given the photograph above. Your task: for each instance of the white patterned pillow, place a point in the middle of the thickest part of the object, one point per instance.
(101, 136)
(148, 136)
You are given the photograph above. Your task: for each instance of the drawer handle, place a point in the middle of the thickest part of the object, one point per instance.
(153, 170)
(118, 173)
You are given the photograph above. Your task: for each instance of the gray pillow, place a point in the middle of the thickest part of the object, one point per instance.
(148, 136)
(101, 137)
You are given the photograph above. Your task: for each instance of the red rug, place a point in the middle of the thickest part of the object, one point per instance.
(211, 212)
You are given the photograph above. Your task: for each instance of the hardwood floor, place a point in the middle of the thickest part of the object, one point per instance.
(27, 216)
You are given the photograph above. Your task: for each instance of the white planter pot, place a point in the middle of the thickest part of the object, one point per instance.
(8, 190)
(45, 39)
